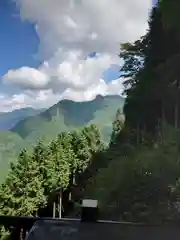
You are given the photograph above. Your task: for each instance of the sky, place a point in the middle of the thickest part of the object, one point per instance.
(64, 49)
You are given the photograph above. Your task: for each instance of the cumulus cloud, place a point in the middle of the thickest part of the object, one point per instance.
(72, 72)
(46, 98)
(88, 25)
(26, 77)
(27, 98)
(68, 31)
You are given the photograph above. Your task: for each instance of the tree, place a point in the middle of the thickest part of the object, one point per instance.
(59, 165)
(22, 193)
(145, 184)
(153, 85)
(117, 126)
(170, 13)
(93, 137)
(34, 176)
(81, 149)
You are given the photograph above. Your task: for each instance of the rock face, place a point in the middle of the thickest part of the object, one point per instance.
(75, 230)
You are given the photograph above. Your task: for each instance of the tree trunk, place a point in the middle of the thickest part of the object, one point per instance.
(54, 209)
(60, 204)
(72, 183)
(143, 133)
(163, 121)
(21, 234)
(137, 134)
(176, 110)
(163, 113)
(176, 113)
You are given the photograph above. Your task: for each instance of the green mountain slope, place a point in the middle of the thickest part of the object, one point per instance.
(10, 145)
(10, 119)
(67, 115)
(63, 116)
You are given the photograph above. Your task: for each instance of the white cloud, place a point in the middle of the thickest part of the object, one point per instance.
(68, 30)
(26, 77)
(72, 72)
(88, 25)
(46, 98)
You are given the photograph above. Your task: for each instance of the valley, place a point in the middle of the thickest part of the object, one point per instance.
(65, 116)
(123, 152)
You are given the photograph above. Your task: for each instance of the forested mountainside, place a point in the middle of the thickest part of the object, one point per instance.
(64, 116)
(9, 119)
(145, 156)
(137, 177)
(33, 177)
(68, 114)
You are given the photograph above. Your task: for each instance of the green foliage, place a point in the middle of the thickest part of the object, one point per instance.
(10, 119)
(170, 10)
(34, 176)
(68, 115)
(151, 70)
(137, 178)
(4, 234)
(117, 126)
(44, 125)
(10, 145)
(141, 182)
(137, 187)
(141, 179)
(22, 193)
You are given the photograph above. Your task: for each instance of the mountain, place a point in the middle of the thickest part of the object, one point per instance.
(67, 115)
(9, 119)
(10, 145)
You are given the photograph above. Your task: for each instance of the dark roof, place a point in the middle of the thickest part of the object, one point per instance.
(71, 230)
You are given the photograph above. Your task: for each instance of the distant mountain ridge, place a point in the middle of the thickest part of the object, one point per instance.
(9, 119)
(67, 115)
(45, 124)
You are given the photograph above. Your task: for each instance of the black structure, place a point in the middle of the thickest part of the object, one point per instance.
(89, 210)
(52, 229)
(87, 228)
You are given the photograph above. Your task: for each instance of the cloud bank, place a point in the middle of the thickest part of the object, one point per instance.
(68, 31)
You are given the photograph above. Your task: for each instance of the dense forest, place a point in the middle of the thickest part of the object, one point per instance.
(33, 177)
(142, 181)
(137, 177)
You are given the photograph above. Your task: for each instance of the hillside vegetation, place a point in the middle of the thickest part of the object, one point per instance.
(137, 176)
(68, 115)
(139, 184)
(10, 145)
(141, 178)
(45, 125)
(9, 119)
(34, 176)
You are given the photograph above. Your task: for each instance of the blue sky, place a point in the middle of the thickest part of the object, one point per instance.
(25, 80)
(19, 42)
(154, 2)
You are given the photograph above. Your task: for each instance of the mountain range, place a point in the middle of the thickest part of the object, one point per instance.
(22, 128)
(9, 119)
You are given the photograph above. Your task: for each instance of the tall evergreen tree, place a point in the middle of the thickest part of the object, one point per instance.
(152, 96)
(117, 126)
(22, 193)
